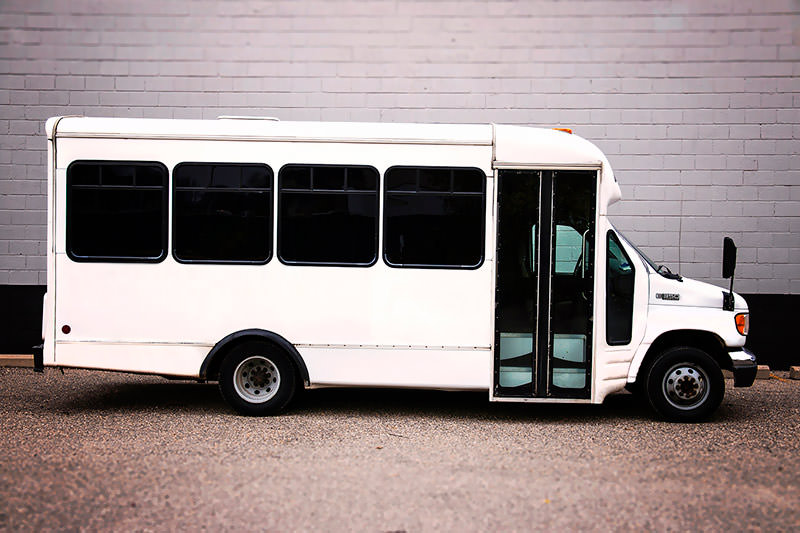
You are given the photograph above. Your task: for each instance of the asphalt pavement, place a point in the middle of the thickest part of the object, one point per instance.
(104, 451)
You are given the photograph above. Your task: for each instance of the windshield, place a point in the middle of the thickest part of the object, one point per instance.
(646, 259)
(661, 269)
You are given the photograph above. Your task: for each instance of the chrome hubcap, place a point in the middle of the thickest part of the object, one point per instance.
(256, 379)
(686, 386)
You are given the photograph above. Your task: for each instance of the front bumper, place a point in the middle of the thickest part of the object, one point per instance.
(744, 367)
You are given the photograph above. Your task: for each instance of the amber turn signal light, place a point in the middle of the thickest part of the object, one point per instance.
(743, 323)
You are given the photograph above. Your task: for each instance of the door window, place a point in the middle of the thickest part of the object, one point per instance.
(545, 283)
(620, 277)
(568, 249)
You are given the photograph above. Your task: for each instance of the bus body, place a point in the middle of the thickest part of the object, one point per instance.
(271, 256)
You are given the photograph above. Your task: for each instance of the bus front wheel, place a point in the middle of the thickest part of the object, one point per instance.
(257, 379)
(684, 384)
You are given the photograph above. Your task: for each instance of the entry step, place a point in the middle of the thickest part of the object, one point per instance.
(565, 378)
(519, 347)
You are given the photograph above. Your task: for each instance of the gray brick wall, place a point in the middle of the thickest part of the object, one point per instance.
(697, 104)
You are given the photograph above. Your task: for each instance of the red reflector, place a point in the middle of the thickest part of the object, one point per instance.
(65, 329)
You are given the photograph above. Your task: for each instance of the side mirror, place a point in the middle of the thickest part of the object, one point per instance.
(728, 257)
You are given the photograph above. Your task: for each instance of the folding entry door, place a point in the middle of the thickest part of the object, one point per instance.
(545, 283)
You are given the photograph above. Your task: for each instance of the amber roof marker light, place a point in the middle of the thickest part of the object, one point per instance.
(565, 130)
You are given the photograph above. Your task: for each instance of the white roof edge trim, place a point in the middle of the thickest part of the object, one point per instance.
(51, 125)
(544, 166)
(269, 138)
(297, 131)
(247, 117)
(494, 143)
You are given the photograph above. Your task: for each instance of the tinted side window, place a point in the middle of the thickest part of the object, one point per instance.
(116, 211)
(222, 212)
(434, 217)
(620, 277)
(328, 215)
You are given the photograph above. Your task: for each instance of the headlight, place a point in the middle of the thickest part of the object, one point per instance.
(743, 323)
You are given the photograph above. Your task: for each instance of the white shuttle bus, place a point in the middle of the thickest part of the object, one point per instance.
(274, 256)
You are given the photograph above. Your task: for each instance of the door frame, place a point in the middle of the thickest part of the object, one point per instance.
(599, 252)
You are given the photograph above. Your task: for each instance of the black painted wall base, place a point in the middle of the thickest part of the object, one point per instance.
(20, 318)
(773, 317)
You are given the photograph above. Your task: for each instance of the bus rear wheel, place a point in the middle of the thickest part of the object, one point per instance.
(257, 379)
(684, 384)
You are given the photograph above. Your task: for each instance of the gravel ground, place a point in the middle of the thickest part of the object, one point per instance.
(94, 450)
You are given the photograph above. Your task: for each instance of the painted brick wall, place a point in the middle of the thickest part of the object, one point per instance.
(697, 104)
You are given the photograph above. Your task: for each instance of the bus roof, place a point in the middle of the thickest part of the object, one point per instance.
(513, 144)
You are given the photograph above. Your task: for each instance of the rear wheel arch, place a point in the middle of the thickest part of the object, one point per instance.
(211, 364)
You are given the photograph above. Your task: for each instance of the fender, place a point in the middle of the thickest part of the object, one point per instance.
(705, 340)
(269, 336)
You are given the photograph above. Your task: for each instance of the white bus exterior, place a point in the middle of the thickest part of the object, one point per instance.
(271, 256)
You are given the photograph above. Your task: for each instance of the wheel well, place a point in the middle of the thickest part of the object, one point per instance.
(210, 368)
(703, 340)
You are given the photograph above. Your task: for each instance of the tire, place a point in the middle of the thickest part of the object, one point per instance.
(684, 384)
(257, 379)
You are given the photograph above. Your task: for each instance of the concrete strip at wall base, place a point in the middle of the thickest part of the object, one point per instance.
(763, 372)
(16, 361)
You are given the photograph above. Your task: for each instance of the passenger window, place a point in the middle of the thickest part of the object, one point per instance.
(620, 277)
(328, 215)
(434, 217)
(116, 211)
(222, 213)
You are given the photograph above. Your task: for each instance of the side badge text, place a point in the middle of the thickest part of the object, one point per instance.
(668, 296)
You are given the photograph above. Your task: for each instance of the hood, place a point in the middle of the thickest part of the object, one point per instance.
(689, 293)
